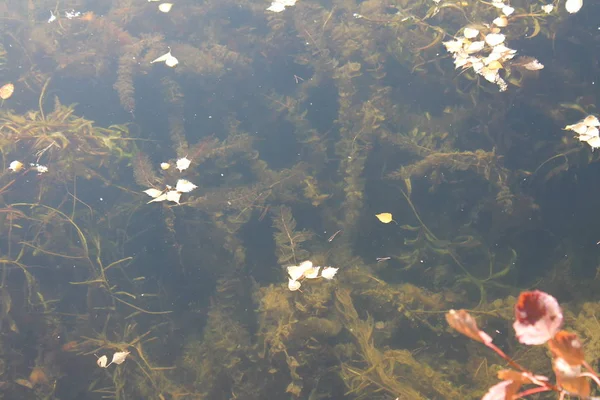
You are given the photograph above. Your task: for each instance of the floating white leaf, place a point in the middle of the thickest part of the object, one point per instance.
(119, 357)
(169, 60)
(507, 10)
(533, 65)
(276, 7)
(500, 21)
(293, 285)
(162, 197)
(591, 120)
(298, 271)
(470, 33)
(329, 272)
(185, 186)
(594, 142)
(548, 8)
(174, 196)
(165, 7)
(165, 166)
(312, 273)
(590, 133)
(474, 47)
(102, 362)
(454, 46)
(154, 193)
(183, 164)
(572, 6)
(494, 39)
(280, 5)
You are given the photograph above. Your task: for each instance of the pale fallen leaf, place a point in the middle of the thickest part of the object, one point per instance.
(591, 120)
(329, 272)
(183, 164)
(534, 65)
(312, 273)
(454, 46)
(474, 47)
(184, 186)
(162, 197)
(500, 21)
(165, 7)
(119, 357)
(154, 193)
(165, 166)
(102, 362)
(15, 166)
(594, 142)
(572, 6)
(507, 10)
(548, 8)
(470, 33)
(168, 59)
(386, 218)
(280, 5)
(297, 271)
(6, 91)
(174, 196)
(293, 285)
(579, 128)
(494, 39)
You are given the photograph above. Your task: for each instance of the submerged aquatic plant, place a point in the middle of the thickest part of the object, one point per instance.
(538, 318)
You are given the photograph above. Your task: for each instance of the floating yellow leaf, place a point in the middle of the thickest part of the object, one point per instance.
(386, 218)
(6, 91)
(15, 166)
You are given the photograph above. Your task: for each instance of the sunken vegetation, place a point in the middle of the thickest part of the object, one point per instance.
(320, 117)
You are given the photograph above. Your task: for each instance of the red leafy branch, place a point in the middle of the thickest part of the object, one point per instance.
(538, 318)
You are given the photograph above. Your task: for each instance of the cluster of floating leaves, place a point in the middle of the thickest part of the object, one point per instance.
(169, 193)
(486, 53)
(118, 358)
(280, 5)
(307, 270)
(587, 131)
